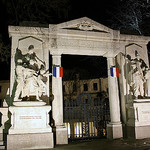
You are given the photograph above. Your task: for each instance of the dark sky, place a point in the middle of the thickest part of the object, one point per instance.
(4, 23)
(95, 9)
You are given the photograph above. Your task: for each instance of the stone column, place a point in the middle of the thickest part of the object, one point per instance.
(57, 105)
(114, 128)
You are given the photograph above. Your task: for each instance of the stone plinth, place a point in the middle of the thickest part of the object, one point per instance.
(61, 134)
(138, 125)
(114, 131)
(30, 141)
(30, 126)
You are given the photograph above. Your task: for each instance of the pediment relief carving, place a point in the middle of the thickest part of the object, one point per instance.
(87, 26)
(84, 24)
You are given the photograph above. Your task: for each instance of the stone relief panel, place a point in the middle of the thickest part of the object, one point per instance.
(84, 24)
(31, 75)
(87, 26)
(136, 74)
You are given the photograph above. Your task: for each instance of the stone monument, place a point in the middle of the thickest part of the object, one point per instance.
(78, 37)
(138, 102)
(30, 125)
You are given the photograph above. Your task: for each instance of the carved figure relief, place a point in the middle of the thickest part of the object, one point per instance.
(30, 75)
(137, 77)
(87, 26)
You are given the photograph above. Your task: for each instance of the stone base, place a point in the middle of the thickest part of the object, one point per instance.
(139, 132)
(138, 125)
(30, 141)
(114, 131)
(61, 135)
(30, 127)
(29, 118)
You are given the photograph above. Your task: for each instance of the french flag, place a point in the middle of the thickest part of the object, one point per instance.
(58, 72)
(114, 72)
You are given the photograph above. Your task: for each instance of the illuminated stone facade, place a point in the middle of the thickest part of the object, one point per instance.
(84, 36)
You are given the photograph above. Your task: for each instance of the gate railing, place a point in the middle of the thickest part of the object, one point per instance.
(85, 118)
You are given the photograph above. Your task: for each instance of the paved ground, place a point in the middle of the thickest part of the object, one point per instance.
(104, 144)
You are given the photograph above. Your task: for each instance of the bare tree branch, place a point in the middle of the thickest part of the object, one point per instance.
(130, 15)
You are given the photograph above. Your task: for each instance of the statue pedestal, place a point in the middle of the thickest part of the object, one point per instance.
(30, 126)
(138, 125)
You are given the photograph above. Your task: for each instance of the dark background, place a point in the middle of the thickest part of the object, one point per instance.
(42, 13)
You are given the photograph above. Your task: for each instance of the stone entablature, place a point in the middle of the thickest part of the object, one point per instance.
(67, 38)
(27, 31)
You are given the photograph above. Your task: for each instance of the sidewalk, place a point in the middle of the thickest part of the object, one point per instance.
(104, 144)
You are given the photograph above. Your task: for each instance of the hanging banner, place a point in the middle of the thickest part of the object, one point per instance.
(58, 72)
(114, 72)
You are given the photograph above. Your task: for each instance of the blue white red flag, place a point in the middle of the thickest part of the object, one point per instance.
(114, 72)
(58, 72)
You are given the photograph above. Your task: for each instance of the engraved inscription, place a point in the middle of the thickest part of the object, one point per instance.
(81, 43)
(145, 115)
(146, 112)
(30, 117)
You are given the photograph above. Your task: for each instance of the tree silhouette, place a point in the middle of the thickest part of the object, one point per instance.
(131, 15)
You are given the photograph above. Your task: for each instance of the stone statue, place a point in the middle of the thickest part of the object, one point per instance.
(137, 82)
(31, 75)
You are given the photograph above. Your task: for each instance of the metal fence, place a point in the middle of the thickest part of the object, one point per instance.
(86, 117)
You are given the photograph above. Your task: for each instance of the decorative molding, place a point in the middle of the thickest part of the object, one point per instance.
(86, 26)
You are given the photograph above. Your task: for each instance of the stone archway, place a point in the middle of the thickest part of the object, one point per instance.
(84, 90)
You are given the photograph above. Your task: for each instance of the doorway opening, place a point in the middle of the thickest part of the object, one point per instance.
(85, 94)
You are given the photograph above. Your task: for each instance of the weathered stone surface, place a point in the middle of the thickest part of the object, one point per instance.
(114, 131)
(61, 135)
(29, 119)
(79, 37)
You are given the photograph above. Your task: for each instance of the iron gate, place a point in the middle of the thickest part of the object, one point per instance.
(86, 117)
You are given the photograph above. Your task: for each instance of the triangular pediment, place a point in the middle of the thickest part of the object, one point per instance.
(84, 24)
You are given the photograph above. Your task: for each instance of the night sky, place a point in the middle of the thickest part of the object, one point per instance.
(95, 9)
